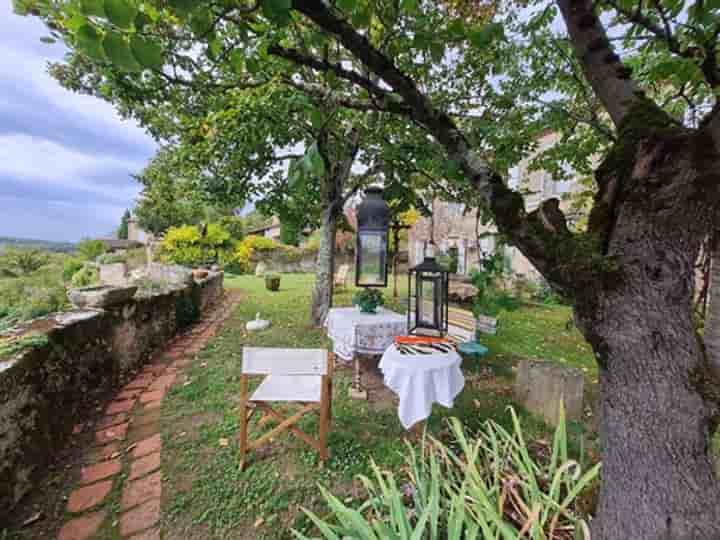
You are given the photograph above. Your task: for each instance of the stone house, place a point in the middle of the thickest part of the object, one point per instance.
(454, 229)
(270, 229)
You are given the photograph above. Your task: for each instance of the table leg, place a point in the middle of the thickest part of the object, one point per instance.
(356, 390)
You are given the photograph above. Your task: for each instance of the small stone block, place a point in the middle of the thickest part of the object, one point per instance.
(141, 467)
(116, 407)
(88, 496)
(138, 491)
(541, 386)
(147, 446)
(114, 433)
(93, 473)
(155, 395)
(138, 519)
(82, 528)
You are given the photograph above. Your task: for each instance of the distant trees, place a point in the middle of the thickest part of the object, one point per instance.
(122, 232)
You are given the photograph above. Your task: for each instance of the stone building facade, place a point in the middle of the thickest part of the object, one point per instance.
(453, 228)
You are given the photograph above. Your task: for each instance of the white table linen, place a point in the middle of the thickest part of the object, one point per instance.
(420, 380)
(353, 332)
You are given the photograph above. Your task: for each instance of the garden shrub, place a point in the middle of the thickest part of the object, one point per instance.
(245, 250)
(112, 258)
(234, 226)
(19, 261)
(91, 249)
(31, 296)
(490, 485)
(86, 276)
(189, 246)
(71, 267)
(186, 311)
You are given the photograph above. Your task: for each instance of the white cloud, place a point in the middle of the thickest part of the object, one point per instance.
(34, 160)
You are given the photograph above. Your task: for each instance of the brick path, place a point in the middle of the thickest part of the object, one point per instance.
(125, 458)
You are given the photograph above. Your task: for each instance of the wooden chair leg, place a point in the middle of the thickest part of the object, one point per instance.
(243, 421)
(325, 400)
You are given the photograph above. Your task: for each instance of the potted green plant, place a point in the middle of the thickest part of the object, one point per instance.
(368, 299)
(272, 281)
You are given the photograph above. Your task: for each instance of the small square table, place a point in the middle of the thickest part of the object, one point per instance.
(354, 332)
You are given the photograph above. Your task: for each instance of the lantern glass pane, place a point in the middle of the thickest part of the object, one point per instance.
(427, 303)
(372, 258)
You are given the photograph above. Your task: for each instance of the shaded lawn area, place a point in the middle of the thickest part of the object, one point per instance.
(204, 493)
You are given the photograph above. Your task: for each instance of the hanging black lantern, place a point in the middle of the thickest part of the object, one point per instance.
(371, 250)
(428, 296)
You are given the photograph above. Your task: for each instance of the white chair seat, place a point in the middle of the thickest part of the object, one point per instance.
(305, 388)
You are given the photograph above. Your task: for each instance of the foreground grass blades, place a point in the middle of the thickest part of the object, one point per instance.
(487, 487)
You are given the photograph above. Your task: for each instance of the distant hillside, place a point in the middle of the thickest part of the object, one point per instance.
(38, 244)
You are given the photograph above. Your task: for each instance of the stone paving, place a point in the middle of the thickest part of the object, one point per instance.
(125, 458)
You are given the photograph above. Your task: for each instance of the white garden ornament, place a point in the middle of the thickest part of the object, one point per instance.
(257, 324)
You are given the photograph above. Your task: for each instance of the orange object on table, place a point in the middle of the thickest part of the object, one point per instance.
(417, 340)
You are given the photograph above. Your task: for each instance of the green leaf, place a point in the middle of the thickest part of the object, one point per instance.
(346, 5)
(92, 7)
(182, 8)
(147, 53)
(410, 6)
(118, 51)
(313, 161)
(253, 64)
(237, 60)
(89, 41)
(277, 11)
(483, 36)
(361, 18)
(316, 118)
(437, 51)
(200, 22)
(120, 12)
(142, 20)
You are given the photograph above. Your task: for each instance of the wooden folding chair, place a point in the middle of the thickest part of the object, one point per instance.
(299, 376)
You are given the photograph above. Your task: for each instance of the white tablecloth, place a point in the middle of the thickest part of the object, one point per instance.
(354, 332)
(420, 380)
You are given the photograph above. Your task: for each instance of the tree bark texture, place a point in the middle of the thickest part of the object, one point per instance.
(659, 397)
(712, 317)
(323, 291)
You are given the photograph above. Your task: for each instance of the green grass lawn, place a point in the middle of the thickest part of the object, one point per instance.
(206, 496)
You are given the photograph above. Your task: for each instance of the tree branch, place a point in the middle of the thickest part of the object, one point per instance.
(318, 91)
(602, 66)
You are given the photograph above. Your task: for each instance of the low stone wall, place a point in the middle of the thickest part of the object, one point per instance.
(49, 388)
(541, 386)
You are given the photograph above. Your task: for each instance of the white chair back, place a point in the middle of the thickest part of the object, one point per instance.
(277, 361)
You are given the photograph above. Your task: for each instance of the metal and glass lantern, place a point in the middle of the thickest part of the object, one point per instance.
(371, 251)
(428, 296)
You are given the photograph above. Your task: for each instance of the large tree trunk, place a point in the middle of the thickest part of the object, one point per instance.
(324, 277)
(659, 399)
(712, 318)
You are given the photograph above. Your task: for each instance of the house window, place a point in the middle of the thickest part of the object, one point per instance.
(419, 251)
(455, 210)
(462, 258)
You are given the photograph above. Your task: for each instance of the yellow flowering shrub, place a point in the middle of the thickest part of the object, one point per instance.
(188, 246)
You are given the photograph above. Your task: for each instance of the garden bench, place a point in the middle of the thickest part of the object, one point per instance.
(463, 327)
(302, 377)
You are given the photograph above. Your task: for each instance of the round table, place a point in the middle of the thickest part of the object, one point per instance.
(420, 380)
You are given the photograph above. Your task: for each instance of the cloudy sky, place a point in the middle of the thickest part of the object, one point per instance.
(65, 159)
